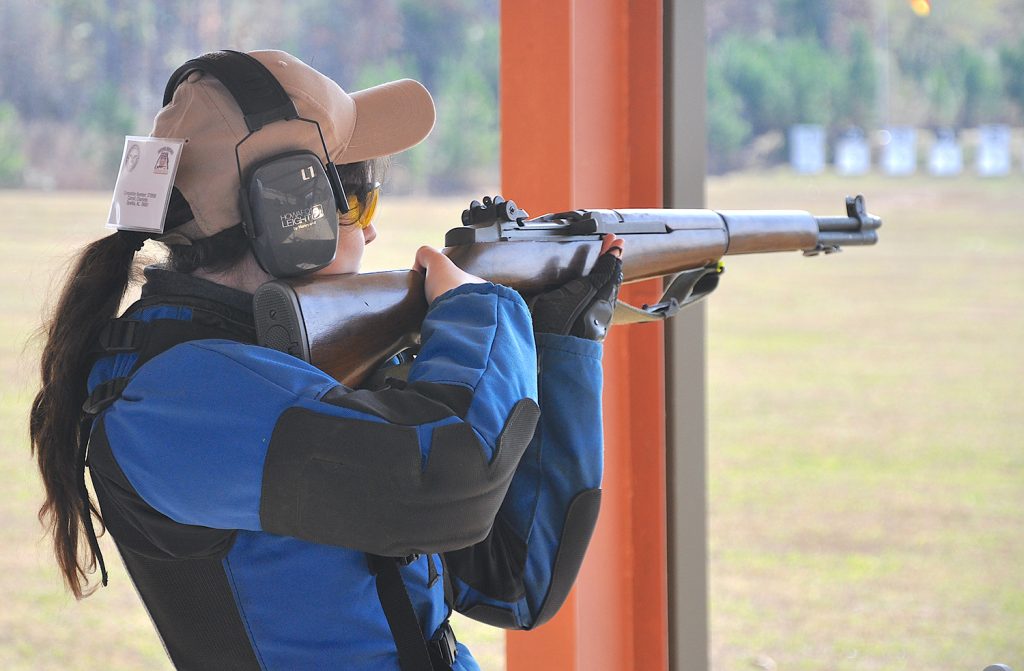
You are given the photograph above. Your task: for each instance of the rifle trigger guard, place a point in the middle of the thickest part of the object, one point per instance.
(686, 288)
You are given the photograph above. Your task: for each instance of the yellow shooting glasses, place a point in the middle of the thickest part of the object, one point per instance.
(362, 205)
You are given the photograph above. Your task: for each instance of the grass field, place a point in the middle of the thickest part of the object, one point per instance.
(867, 435)
(866, 432)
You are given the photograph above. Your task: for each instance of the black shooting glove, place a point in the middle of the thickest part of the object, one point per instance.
(582, 307)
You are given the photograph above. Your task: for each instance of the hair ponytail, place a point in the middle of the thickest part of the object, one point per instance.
(91, 296)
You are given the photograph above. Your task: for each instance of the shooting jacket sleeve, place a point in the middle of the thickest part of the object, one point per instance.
(233, 436)
(520, 575)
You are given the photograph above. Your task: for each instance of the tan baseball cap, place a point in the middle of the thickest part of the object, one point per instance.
(371, 123)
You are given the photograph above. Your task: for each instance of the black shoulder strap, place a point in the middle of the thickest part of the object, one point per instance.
(259, 95)
(90, 531)
(415, 653)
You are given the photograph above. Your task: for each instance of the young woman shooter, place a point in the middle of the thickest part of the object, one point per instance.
(270, 517)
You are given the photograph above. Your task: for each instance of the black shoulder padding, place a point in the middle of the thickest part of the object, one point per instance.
(580, 521)
(495, 566)
(416, 403)
(362, 484)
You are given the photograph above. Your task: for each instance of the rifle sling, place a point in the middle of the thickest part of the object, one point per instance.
(686, 288)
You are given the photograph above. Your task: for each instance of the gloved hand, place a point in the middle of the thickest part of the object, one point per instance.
(583, 307)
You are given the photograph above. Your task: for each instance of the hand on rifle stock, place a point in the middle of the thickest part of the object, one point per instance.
(441, 274)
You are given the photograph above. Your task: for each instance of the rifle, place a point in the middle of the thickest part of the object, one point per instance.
(347, 325)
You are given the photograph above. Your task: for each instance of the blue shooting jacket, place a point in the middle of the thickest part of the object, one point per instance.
(245, 487)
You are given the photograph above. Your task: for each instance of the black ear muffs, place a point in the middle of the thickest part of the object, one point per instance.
(289, 201)
(290, 214)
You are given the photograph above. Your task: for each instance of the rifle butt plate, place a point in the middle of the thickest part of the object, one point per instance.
(279, 322)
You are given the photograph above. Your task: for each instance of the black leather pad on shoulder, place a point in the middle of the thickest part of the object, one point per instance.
(362, 484)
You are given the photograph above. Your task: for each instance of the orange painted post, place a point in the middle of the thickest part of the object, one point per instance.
(581, 108)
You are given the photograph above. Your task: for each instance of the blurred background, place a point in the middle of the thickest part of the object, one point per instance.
(866, 432)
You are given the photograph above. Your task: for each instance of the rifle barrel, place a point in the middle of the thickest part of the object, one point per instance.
(855, 239)
(846, 224)
(760, 231)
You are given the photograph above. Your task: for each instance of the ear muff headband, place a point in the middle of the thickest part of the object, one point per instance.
(259, 95)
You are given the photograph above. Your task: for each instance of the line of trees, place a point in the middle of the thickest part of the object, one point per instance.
(841, 63)
(78, 75)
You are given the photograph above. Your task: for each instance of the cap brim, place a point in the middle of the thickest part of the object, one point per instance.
(390, 118)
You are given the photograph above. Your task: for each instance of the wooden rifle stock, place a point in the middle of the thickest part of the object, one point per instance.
(347, 325)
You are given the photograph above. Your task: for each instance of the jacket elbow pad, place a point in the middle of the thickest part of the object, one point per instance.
(580, 520)
(362, 484)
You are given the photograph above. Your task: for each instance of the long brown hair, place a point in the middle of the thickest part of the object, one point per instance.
(90, 297)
